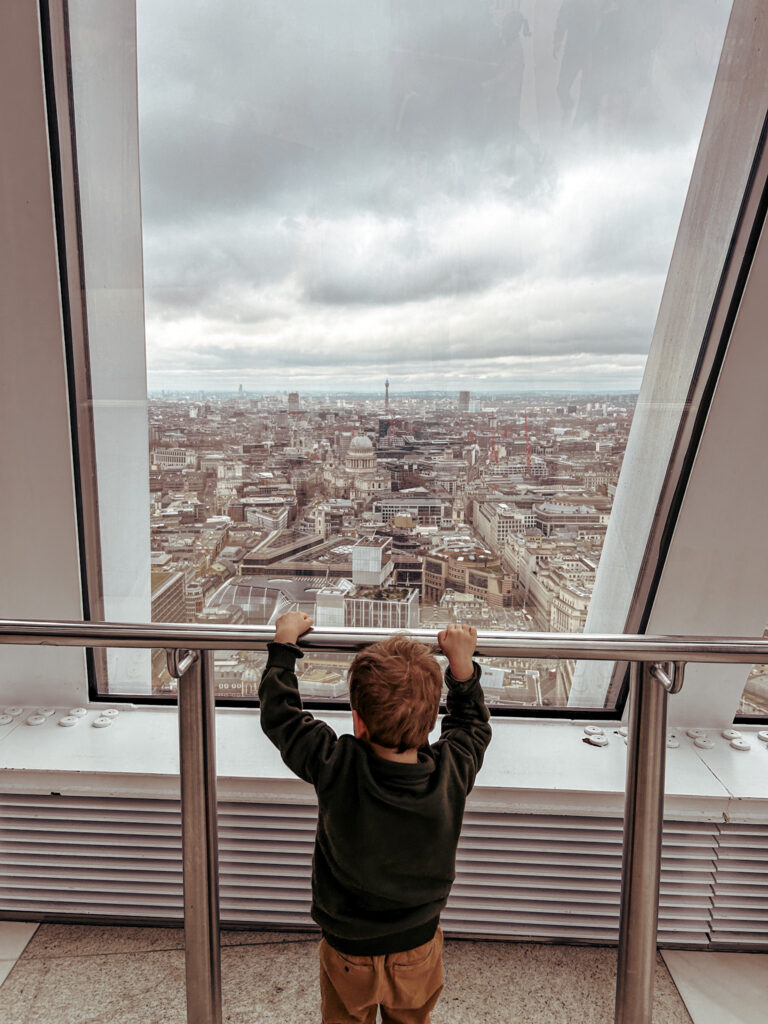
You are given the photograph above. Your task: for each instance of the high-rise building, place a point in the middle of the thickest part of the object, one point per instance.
(168, 597)
(170, 458)
(382, 608)
(293, 403)
(463, 401)
(372, 561)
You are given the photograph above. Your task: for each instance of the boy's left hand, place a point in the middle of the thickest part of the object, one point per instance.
(291, 626)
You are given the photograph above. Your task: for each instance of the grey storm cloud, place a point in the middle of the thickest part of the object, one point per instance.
(342, 184)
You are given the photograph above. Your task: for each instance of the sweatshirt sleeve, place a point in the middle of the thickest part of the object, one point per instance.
(304, 742)
(465, 728)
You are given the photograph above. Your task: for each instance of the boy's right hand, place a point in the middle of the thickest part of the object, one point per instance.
(291, 626)
(458, 643)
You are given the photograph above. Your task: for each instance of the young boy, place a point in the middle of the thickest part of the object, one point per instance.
(390, 808)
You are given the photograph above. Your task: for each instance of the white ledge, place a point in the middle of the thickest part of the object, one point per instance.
(532, 766)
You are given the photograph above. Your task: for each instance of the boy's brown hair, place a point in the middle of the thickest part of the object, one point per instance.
(395, 685)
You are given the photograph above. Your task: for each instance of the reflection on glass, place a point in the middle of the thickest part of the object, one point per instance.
(754, 699)
(403, 261)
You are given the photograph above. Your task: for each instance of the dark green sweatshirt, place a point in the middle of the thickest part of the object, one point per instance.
(385, 850)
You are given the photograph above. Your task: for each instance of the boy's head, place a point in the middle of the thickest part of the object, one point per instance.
(394, 686)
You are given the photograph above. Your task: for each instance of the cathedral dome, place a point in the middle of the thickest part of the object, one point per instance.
(361, 457)
(360, 444)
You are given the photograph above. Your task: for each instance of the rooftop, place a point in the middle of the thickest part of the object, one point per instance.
(160, 579)
(373, 542)
(382, 594)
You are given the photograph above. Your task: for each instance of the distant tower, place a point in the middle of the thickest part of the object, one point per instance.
(463, 401)
(293, 403)
(386, 396)
(240, 390)
(493, 455)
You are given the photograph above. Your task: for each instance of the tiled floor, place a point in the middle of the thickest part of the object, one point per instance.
(72, 974)
(14, 936)
(721, 988)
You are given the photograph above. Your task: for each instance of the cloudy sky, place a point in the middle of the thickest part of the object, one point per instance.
(476, 194)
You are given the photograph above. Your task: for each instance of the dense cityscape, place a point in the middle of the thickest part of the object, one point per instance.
(383, 511)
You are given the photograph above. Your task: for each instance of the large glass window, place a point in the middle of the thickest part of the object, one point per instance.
(403, 261)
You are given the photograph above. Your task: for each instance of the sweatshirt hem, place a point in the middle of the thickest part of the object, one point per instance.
(383, 944)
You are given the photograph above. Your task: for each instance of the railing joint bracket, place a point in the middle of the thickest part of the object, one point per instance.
(670, 674)
(179, 661)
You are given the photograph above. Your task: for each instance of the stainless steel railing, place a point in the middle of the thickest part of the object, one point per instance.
(490, 643)
(657, 669)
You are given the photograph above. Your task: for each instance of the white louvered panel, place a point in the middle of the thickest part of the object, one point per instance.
(731, 896)
(741, 938)
(606, 914)
(586, 829)
(734, 838)
(740, 903)
(535, 876)
(266, 863)
(697, 904)
(560, 877)
(123, 858)
(78, 837)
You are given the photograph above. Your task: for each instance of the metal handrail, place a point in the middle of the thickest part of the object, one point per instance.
(657, 670)
(490, 643)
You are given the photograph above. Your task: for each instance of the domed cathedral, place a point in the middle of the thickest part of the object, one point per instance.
(360, 457)
(364, 475)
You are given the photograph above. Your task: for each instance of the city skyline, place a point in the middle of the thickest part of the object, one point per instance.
(412, 393)
(486, 509)
(440, 510)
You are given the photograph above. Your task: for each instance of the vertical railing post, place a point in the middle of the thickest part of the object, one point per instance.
(197, 767)
(641, 861)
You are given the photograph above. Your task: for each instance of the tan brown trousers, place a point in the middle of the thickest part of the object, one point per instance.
(405, 985)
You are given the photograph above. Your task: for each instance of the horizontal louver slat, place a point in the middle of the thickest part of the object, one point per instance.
(518, 875)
